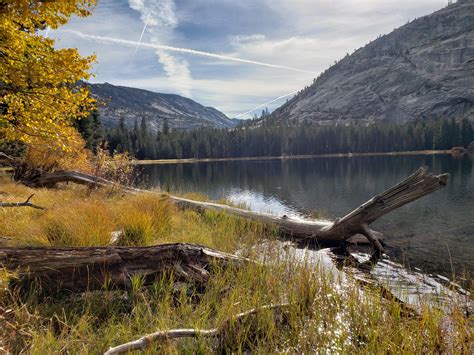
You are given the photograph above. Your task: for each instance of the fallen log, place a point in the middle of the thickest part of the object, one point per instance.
(50, 179)
(78, 269)
(353, 225)
(417, 185)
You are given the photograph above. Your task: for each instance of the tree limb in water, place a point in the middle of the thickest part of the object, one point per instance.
(27, 203)
(219, 332)
(354, 224)
(417, 185)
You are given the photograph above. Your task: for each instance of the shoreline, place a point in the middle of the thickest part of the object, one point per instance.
(288, 157)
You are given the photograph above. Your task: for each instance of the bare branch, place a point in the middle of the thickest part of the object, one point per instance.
(6, 156)
(27, 203)
(143, 342)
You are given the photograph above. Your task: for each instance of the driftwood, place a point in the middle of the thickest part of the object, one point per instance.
(352, 226)
(417, 185)
(93, 268)
(219, 332)
(27, 203)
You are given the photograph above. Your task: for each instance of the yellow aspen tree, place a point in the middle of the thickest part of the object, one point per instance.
(40, 86)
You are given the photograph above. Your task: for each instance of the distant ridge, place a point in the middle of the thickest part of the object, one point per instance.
(424, 69)
(131, 104)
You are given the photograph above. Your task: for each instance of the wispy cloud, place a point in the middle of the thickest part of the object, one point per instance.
(281, 44)
(242, 115)
(159, 16)
(185, 50)
(159, 13)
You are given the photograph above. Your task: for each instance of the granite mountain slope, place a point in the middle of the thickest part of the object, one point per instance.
(131, 104)
(424, 69)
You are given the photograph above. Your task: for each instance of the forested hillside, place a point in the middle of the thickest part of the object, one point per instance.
(248, 140)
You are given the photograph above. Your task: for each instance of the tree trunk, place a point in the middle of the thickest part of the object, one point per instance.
(79, 269)
(95, 267)
(351, 226)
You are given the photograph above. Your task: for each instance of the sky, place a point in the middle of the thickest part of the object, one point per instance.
(238, 56)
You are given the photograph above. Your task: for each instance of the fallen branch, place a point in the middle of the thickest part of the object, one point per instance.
(7, 157)
(27, 203)
(221, 331)
(417, 185)
(352, 227)
(78, 269)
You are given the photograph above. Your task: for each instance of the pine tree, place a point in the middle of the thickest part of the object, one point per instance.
(165, 129)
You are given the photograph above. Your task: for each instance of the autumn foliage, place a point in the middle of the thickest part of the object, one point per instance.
(40, 94)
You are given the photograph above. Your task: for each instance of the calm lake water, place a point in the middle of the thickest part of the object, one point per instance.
(435, 234)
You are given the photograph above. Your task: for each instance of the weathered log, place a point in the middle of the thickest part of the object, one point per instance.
(219, 332)
(299, 229)
(27, 203)
(51, 179)
(354, 224)
(417, 185)
(92, 268)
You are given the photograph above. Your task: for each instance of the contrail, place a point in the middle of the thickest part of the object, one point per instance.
(47, 31)
(266, 103)
(182, 50)
(140, 39)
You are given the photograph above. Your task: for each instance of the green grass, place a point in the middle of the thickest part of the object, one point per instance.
(326, 314)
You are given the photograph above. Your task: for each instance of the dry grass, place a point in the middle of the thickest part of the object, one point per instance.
(328, 315)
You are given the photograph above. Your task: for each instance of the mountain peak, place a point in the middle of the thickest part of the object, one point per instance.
(424, 69)
(132, 104)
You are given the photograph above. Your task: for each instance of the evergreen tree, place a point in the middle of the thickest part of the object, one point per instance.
(165, 129)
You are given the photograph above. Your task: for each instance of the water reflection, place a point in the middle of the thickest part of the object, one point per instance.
(435, 233)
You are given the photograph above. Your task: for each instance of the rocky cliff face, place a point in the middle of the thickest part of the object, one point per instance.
(424, 69)
(116, 102)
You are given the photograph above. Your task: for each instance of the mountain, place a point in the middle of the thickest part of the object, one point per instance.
(424, 69)
(116, 102)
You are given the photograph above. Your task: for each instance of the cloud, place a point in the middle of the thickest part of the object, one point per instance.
(177, 69)
(230, 96)
(159, 16)
(163, 47)
(246, 38)
(300, 34)
(265, 104)
(159, 13)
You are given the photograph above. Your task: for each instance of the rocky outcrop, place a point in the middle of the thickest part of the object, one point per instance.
(131, 104)
(424, 69)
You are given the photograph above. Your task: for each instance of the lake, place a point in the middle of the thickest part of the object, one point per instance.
(434, 234)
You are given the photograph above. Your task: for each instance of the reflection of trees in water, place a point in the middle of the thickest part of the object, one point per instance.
(419, 233)
(307, 182)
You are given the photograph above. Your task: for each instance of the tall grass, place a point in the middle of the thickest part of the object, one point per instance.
(326, 314)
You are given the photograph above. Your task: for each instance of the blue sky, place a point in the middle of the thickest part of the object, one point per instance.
(278, 46)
